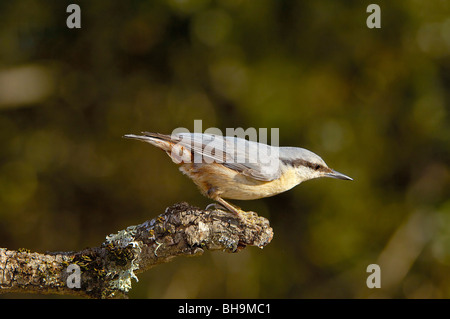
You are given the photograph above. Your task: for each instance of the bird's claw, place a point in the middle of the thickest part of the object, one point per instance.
(215, 206)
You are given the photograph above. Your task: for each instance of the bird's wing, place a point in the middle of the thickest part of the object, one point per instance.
(256, 160)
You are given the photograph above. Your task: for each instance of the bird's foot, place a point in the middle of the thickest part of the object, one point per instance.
(242, 215)
(214, 206)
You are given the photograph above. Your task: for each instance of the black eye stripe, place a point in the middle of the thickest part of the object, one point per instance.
(314, 166)
(299, 162)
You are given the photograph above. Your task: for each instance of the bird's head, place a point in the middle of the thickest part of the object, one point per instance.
(307, 164)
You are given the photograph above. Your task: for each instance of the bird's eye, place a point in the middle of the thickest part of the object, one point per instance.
(316, 167)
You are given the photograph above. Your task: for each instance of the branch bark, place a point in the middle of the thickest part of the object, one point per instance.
(107, 271)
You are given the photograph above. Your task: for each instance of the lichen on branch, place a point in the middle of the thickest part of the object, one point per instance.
(108, 271)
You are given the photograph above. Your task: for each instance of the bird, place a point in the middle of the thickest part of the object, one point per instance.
(230, 167)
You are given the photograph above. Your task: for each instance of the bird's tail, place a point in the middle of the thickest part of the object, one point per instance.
(167, 143)
(164, 142)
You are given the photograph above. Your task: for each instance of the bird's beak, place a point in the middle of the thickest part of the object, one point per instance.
(335, 174)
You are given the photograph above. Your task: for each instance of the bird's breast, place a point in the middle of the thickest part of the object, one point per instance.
(231, 184)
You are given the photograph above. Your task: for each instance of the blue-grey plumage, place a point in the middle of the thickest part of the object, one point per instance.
(235, 168)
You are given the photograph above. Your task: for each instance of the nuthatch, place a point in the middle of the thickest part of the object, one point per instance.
(235, 168)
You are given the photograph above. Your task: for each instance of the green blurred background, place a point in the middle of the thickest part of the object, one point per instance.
(374, 103)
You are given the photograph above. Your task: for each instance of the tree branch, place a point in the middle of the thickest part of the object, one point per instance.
(107, 271)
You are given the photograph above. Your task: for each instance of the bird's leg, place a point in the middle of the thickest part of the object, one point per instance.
(214, 194)
(230, 207)
(242, 215)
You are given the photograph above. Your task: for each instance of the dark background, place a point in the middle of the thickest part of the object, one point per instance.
(373, 103)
